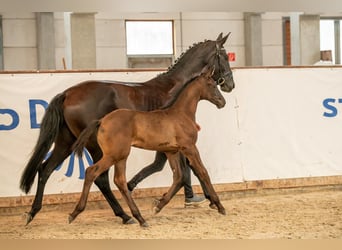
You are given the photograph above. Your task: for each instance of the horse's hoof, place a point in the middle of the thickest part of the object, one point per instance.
(28, 217)
(129, 221)
(71, 218)
(144, 224)
(222, 211)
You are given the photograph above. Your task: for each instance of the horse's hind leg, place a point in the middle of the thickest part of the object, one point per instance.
(102, 182)
(61, 151)
(157, 165)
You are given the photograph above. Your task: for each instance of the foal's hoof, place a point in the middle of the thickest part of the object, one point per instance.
(155, 210)
(212, 206)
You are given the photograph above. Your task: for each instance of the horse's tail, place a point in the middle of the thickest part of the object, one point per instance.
(49, 129)
(84, 137)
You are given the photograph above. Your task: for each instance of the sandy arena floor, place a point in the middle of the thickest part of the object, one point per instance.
(314, 214)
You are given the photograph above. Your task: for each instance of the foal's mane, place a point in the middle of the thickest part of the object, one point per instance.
(174, 99)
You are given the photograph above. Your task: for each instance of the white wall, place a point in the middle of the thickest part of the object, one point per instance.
(272, 38)
(190, 27)
(20, 45)
(19, 40)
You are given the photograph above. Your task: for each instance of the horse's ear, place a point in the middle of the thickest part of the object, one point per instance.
(219, 37)
(222, 41)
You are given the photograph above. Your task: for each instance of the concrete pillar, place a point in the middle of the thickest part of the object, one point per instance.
(1, 46)
(67, 36)
(305, 39)
(83, 41)
(309, 39)
(46, 40)
(295, 38)
(253, 39)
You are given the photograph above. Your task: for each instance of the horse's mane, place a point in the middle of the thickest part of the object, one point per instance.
(175, 65)
(181, 57)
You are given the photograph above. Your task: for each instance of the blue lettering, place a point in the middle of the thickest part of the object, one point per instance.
(327, 104)
(15, 119)
(33, 111)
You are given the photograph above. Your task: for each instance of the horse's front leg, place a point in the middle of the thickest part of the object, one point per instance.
(200, 171)
(174, 161)
(121, 183)
(91, 174)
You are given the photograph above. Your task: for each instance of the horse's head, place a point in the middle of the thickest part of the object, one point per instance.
(211, 91)
(223, 74)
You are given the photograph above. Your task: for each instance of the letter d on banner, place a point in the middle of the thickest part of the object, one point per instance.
(33, 111)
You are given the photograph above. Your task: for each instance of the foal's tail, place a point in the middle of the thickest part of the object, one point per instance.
(84, 137)
(49, 129)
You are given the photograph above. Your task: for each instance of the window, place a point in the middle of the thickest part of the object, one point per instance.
(149, 43)
(330, 38)
(149, 37)
(1, 47)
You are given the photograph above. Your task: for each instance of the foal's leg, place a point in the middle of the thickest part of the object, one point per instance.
(197, 166)
(188, 166)
(121, 183)
(102, 182)
(157, 165)
(187, 179)
(91, 174)
(174, 160)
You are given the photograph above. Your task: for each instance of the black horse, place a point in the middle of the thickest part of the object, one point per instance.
(72, 110)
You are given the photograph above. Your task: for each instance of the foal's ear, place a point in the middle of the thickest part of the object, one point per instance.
(208, 70)
(212, 70)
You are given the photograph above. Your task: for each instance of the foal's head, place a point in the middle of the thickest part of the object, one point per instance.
(210, 91)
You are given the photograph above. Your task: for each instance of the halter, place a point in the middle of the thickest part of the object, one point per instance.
(221, 79)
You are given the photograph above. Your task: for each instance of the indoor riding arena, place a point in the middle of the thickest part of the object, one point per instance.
(273, 152)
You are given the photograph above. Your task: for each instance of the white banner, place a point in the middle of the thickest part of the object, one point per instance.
(278, 123)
